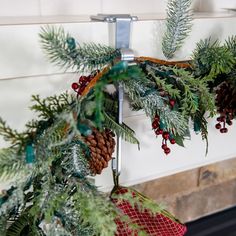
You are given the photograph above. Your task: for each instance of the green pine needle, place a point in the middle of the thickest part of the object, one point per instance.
(212, 59)
(178, 26)
(121, 130)
(11, 164)
(230, 44)
(19, 225)
(57, 45)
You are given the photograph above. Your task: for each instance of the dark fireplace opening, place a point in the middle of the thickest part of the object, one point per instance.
(219, 224)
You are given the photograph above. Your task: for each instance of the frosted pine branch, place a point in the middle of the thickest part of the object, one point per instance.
(178, 26)
(64, 51)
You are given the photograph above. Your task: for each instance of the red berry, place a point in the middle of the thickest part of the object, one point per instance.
(167, 151)
(155, 124)
(165, 135)
(224, 130)
(172, 141)
(157, 118)
(74, 86)
(172, 102)
(229, 122)
(218, 126)
(163, 146)
(158, 131)
(82, 79)
(220, 119)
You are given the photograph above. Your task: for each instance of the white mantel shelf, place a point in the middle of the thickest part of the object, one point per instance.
(38, 20)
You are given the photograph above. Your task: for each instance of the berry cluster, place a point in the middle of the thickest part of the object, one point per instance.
(81, 84)
(158, 127)
(224, 119)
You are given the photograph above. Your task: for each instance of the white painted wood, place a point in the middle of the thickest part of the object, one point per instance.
(71, 7)
(21, 54)
(19, 8)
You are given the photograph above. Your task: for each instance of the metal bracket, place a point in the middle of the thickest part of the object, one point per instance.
(122, 41)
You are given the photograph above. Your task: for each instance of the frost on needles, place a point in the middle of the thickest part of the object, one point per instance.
(178, 26)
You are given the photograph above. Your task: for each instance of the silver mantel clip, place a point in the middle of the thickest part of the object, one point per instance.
(122, 40)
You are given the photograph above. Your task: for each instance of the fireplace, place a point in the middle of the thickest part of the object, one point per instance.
(220, 224)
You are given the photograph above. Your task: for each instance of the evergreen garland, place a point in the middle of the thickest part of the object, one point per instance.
(49, 161)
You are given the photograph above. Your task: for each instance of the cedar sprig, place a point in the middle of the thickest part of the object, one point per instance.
(178, 26)
(62, 50)
(50, 107)
(162, 83)
(196, 93)
(16, 139)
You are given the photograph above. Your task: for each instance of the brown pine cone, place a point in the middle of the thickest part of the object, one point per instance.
(225, 98)
(101, 145)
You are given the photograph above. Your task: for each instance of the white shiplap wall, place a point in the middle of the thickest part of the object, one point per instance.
(24, 70)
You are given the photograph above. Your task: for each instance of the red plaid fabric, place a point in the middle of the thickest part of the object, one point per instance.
(153, 225)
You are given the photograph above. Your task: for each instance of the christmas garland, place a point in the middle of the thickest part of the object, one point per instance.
(73, 137)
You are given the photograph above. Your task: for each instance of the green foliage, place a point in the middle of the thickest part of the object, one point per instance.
(210, 59)
(18, 226)
(178, 26)
(122, 131)
(16, 139)
(63, 51)
(230, 44)
(51, 106)
(11, 164)
(143, 95)
(200, 125)
(195, 95)
(98, 213)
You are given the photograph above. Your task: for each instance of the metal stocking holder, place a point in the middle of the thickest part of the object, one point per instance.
(122, 39)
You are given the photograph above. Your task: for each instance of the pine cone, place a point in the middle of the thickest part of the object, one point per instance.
(225, 99)
(101, 145)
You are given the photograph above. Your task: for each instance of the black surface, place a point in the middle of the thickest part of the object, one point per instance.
(219, 224)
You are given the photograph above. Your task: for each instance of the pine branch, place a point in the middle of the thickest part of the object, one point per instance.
(63, 51)
(11, 164)
(121, 130)
(230, 44)
(74, 161)
(96, 212)
(178, 26)
(210, 59)
(152, 103)
(19, 225)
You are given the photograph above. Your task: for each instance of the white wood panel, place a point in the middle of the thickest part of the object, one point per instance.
(133, 6)
(21, 54)
(151, 163)
(19, 7)
(72, 7)
(15, 96)
(216, 5)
